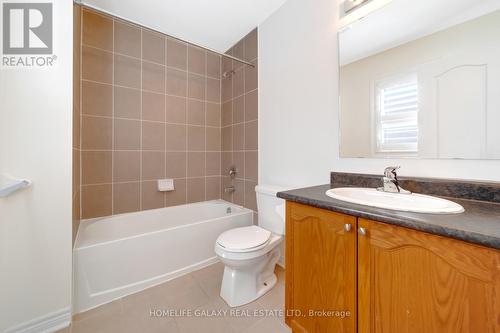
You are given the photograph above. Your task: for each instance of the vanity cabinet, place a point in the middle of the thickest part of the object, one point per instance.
(320, 269)
(391, 278)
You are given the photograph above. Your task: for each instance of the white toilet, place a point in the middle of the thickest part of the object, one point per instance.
(250, 253)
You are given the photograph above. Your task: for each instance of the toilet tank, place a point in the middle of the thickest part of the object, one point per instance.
(271, 208)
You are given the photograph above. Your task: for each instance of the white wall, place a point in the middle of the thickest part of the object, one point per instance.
(297, 94)
(298, 105)
(35, 224)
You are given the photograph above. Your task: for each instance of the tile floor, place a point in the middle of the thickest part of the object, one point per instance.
(198, 292)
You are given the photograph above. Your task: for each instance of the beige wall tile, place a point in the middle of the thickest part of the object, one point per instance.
(227, 113)
(239, 109)
(251, 137)
(153, 106)
(176, 137)
(127, 72)
(213, 65)
(127, 103)
(251, 45)
(196, 138)
(239, 192)
(251, 105)
(97, 65)
(195, 190)
(226, 163)
(227, 138)
(176, 82)
(126, 166)
(76, 171)
(196, 164)
(212, 186)
(251, 78)
(97, 99)
(213, 90)
(97, 30)
(239, 82)
(153, 136)
(153, 77)
(227, 64)
(177, 196)
(176, 164)
(239, 164)
(176, 109)
(96, 201)
(196, 112)
(250, 198)
(251, 168)
(213, 163)
(127, 134)
(196, 86)
(196, 60)
(213, 114)
(239, 137)
(96, 167)
(239, 52)
(127, 39)
(227, 89)
(126, 198)
(153, 47)
(226, 182)
(153, 165)
(152, 198)
(213, 139)
(176, 54)
(97, 133)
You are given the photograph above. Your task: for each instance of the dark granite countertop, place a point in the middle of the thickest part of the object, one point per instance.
(479, 224)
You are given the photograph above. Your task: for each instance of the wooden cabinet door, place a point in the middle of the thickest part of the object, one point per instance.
(320, 270)
(414, 282)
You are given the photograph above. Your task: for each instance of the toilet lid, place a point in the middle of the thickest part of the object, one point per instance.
(243, 238)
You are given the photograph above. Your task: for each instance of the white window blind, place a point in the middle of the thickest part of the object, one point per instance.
(397, 115)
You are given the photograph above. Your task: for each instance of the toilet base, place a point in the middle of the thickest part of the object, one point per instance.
(245, 281)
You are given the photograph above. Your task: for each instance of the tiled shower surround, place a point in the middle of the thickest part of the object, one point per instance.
(150, 109)
(240, 122)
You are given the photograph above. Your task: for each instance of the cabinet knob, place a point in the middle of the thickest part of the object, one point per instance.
(362, 231)
(347, 227)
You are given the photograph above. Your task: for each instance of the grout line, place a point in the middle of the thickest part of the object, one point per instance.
(141, 189)
(244, 134)
(165, 50)
(147, 120)
(205, 127)
(113, 125)
(80, 114)
(151, 91)
(147, 61)
(187, 135)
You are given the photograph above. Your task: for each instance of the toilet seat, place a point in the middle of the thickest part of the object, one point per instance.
(244, 239)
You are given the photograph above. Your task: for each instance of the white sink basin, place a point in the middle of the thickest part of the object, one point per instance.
(417, 203)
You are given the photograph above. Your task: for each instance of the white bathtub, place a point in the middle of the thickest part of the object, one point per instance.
(120, 255)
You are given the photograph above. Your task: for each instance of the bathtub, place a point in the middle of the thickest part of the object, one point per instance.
(123, 254)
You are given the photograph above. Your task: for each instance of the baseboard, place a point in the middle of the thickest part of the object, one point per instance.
(44, 324)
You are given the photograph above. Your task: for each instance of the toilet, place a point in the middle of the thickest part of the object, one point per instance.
(250, 253)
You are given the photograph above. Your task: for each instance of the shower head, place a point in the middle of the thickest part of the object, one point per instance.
(228, 74)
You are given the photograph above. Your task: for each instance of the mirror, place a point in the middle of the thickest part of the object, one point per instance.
(421, 79)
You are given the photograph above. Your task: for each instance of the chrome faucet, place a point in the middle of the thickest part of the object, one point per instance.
(391, 183)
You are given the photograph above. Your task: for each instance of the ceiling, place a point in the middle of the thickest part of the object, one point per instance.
(216, 24)
(402, 21)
